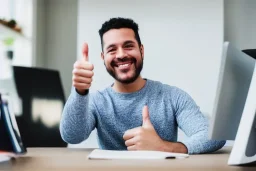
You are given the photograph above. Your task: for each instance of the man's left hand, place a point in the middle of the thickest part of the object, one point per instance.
(144, 137)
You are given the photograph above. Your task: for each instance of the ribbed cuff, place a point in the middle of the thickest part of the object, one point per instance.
(77, 96)
(189, 146)
(83, 94)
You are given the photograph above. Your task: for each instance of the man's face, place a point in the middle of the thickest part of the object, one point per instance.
(122, 55)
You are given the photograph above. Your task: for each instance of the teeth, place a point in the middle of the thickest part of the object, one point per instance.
(124, 65)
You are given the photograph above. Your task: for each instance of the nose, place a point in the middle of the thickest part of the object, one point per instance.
(120, 53)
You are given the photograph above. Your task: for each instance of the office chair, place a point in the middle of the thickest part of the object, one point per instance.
(42, 98)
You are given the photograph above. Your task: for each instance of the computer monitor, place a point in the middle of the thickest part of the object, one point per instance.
(42, 97)
(10, 140)
(237, 73)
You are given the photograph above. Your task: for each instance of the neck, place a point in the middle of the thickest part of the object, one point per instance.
(129, 88)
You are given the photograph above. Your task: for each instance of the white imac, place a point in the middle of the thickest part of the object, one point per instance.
(235, 105)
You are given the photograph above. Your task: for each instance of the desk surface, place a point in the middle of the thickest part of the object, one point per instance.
(76, 159)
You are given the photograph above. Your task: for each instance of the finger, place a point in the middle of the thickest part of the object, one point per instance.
(131, 133)
(81, 86)
(83, 73)
(85, 52)
(131, 142)
(145, 114)
(146, 120)
(83, 65)
(132, 148)
(80, 79)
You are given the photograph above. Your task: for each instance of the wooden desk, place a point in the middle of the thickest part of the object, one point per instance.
(61, 159)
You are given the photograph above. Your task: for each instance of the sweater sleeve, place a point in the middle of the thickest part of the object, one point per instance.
(194, 124)
(78, 118)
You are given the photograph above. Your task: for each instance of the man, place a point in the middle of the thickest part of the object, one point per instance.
(133, 113)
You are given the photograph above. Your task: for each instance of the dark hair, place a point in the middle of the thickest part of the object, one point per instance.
(117, 23)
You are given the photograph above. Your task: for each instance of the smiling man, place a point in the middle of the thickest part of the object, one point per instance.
(133, 113)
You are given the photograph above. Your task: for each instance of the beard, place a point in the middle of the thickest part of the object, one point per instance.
(137, 70)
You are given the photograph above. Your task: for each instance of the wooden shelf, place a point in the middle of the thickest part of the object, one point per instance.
(6, 32)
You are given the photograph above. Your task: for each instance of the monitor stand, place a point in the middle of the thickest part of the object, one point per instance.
(244, 149)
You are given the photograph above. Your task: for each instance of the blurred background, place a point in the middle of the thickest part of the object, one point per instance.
(182, 40)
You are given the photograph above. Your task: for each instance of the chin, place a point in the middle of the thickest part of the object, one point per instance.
(127, 80)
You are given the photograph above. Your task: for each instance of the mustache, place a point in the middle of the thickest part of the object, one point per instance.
(118, 60)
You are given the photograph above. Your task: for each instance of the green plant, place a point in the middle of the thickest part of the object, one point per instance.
(8, 41)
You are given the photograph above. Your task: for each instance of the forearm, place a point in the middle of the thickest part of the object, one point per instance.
(173, 147)
(76, 122)
(200, 143)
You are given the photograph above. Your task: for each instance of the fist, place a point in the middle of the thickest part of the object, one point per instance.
(83, 72)
(144, 137)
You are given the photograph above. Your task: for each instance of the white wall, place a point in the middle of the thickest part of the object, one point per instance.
(40, 33)
(182, 41)
(56, 38)
(61, 42)
(240, 24)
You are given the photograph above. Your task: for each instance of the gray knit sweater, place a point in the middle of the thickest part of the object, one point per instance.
(113, 113)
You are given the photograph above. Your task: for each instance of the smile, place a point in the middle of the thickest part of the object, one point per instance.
(124, 65)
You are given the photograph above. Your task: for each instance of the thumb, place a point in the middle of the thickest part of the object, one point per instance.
(85, 52)
(146, 120)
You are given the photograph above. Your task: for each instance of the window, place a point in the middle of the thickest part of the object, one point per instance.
(5, 9)
(22, 12)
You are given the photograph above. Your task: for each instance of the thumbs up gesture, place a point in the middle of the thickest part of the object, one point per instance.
(144, 137)
(83, 72)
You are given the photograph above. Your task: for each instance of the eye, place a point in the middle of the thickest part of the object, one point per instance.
(129, 46)
(111, 50)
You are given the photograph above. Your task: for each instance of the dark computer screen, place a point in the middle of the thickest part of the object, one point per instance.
(250, 52)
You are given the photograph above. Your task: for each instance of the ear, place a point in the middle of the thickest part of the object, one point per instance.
(102, 56)
(142, 50)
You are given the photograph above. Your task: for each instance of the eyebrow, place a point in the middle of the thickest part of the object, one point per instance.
(129, 42)
(110, 46)
(126, 42)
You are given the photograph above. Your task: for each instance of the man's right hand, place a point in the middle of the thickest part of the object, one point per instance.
(83, 72)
